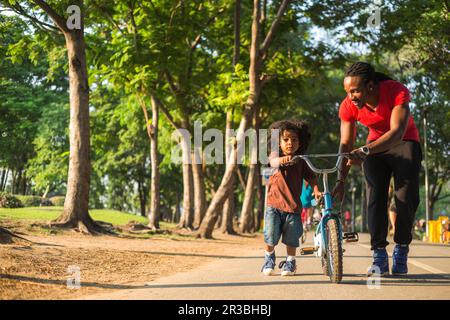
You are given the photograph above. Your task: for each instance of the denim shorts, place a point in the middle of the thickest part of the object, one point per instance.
(278, 223)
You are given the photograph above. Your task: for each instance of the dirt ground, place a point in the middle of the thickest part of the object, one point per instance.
(40, 270)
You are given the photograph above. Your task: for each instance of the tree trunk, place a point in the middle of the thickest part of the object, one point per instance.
(24, 183)
(225, 187)
(199, 190)
(76, 204)
(229, 205)
(261, 200)
(177, 209)
(247, 213)
(18, 182)
(142, 200)
(47, 190)
(3, 179)
(13, 181)
(186, 219)
(237, 32)
(228, 214)
(155, 185)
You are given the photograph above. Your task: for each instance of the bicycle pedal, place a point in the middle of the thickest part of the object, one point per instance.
(351, 236)
(307, 250)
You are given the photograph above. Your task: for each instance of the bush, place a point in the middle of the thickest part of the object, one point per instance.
(46, 202)
(30, 201)
(9, 201)
(57, 201)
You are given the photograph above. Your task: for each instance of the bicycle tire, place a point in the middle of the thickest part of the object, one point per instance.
(324, 263)
(334, 252)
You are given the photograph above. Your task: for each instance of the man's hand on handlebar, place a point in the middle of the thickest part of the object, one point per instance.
(356, 157)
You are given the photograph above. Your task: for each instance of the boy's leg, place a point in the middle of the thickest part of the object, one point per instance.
(292, 231)
(272, 234)
(291, 251)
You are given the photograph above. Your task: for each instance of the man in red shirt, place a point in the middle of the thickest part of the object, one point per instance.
(392, 149)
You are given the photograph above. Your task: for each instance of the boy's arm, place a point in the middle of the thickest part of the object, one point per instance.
(276, 161)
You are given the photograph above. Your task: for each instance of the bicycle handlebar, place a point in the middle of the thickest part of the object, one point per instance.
(321, 171)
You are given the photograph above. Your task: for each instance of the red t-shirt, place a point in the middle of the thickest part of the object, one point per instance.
(392, 93)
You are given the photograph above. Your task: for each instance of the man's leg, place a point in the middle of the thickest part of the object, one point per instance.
(406, 166)
(377, 173)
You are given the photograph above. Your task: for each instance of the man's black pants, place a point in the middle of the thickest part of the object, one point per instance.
(403, 162)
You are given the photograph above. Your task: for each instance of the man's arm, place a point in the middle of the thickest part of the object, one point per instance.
(398, 125)
(348, 136)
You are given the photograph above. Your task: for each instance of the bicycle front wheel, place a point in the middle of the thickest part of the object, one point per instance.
(334, 252)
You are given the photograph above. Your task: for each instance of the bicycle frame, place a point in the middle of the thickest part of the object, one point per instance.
(327, 211)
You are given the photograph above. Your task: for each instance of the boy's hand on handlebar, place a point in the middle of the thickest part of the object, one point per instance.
(288, 161)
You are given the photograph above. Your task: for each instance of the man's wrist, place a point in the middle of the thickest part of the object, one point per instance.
(365, 150)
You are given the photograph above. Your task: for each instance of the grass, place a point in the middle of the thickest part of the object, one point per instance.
(50, 213)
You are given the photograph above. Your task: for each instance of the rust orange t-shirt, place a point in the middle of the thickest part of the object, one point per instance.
(392, 93)
(285, 187)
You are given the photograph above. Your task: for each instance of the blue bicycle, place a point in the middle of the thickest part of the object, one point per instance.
(329, 235)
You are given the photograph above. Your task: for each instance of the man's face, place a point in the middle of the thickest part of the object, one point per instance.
(289, 142)
(356, 90)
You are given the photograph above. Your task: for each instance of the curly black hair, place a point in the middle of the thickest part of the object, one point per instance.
(299, 126)
(366, 72)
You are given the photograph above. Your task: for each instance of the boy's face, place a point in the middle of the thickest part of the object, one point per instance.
(289, 142)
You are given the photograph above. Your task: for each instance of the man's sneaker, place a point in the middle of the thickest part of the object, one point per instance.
(380, 263)
(400, 259)
(269, 264)
(289, 267)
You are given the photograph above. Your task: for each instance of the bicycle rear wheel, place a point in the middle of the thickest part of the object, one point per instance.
(334, 252)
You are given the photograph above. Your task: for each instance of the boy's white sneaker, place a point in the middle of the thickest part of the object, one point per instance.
(267, 271)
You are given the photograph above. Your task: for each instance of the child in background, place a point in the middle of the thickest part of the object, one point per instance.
(282, 217)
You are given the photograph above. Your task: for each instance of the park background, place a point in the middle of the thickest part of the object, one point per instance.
(135, 71)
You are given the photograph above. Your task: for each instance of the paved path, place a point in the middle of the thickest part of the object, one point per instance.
(240, 278)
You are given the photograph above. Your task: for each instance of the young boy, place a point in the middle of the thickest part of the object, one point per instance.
(282, 218)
